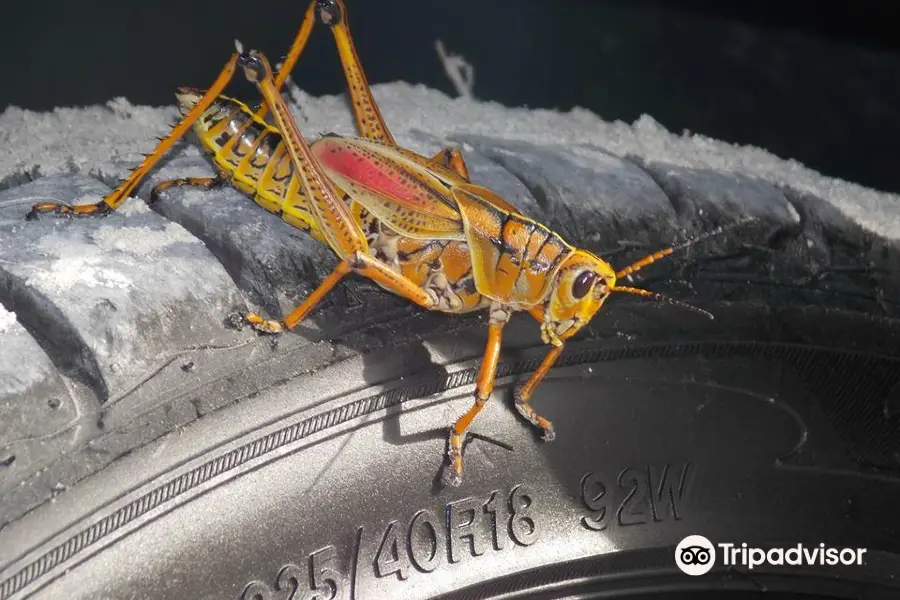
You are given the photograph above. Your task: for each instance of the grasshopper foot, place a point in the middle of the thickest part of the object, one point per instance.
(262, 325)
(532, 417)
(60, 210)
(451, 477)
(453, 471)
(549, 432)
(67, 210)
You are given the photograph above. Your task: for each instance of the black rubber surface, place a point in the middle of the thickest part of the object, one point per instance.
(309, 466)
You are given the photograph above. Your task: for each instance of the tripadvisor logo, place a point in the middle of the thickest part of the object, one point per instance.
(696, 555)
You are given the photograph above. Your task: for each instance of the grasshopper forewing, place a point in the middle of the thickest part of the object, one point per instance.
(415, 225)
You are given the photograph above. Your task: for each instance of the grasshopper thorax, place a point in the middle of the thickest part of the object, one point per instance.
(582, 284)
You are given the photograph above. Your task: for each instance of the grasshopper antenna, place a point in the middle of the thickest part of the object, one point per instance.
(661, 298)
(655, 256)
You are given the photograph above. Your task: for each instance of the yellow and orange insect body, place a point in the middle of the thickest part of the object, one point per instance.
(252, 156)
(415, 225)
(504, 256)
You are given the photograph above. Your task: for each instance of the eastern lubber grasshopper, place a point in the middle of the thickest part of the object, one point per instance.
(415, 225)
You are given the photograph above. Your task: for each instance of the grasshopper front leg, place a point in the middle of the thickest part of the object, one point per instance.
(332, 215)
(522, 393)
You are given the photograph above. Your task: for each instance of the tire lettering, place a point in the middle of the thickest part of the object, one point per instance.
(470, 527)
(639, 496)
(319, 580)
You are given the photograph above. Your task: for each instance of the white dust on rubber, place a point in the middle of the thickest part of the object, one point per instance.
(96, 137)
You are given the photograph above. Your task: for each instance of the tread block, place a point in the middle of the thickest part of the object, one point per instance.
(39, 413)
(115, 301)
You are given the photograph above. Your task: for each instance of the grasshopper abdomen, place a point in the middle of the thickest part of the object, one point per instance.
(253, 156)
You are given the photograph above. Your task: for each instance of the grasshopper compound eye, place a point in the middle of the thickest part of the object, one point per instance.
(583, 284)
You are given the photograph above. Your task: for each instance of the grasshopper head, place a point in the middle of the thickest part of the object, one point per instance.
(583, 283)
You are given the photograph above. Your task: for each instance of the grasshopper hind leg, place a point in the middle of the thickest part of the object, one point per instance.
(100, 209)
(332, 216)
(115, 198)
(67, 210)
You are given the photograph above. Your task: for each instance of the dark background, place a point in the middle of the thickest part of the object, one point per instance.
(812, 80)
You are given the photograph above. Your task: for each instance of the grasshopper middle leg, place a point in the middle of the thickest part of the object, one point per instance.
(359, 262)
(205, 183)
(522, 393)
(484, 386)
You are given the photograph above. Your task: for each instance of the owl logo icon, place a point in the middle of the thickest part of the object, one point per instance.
(695, 555)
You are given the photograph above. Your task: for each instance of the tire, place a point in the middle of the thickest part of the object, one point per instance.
(149, 451)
